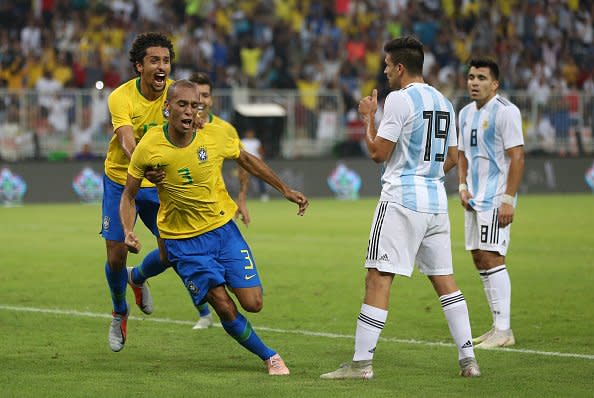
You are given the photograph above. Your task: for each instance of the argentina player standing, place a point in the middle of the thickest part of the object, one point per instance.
(417, 143)
(491, 164)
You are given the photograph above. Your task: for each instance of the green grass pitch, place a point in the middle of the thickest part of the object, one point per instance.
(55, 306)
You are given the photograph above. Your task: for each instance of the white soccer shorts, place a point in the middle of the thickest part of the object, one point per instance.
(482, 231)
(401, 237)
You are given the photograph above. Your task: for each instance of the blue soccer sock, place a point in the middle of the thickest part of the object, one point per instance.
(241, 330)
(203, 310)
(117, 282)
(151, 266)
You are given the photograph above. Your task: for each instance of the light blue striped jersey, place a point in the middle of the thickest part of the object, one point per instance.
(422, 123)
(485, 135)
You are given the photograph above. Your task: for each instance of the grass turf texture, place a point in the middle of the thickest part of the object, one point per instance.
(311, 267)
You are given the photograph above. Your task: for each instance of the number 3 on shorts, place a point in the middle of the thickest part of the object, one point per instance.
(249, 258)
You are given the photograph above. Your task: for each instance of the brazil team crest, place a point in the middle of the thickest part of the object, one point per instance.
(202, 154)
(192, 288)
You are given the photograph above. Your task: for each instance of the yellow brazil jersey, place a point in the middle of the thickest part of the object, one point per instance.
(218, 128)
(191, 203)
(128, 107)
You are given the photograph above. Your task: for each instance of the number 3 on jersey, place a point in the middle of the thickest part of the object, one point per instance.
(439, 129)
(185, 175)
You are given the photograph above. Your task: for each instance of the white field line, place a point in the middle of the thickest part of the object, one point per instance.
(284, 331)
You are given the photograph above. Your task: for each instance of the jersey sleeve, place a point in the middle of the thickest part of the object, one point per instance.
(453, 131)
(396, 111)
(232, 148)
(120, 110)
(461, 117)
(510, 123)
(232, 133)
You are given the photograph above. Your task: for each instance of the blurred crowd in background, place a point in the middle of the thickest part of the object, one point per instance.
(545, 48)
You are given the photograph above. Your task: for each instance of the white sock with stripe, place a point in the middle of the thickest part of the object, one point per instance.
(370, 323)
(499, 295)
(456, 313)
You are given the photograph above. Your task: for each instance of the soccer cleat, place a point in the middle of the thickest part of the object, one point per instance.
(469, 367)
(142, 294)
(483, 337)
(117, 331)
(204, 322)
(499, 338)
(276, 366)
(352, 370)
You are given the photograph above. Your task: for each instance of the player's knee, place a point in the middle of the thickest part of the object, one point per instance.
(225, 310)
(117, 254)
(254, 304)
(479, 259)
(117, 261)
(375, 281)
(484, 260)
(223, 305)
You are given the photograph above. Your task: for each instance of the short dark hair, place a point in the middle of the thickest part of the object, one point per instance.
(201, 78)
(146, 40)
(485, 62)
(178, 83)
(407, 51)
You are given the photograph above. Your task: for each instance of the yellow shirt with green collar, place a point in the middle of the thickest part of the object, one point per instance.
(192, 195)
(128, 107)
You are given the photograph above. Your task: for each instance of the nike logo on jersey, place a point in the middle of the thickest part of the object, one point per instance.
(248, 277)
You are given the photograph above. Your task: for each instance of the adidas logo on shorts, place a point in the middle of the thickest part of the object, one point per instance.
(384, 258)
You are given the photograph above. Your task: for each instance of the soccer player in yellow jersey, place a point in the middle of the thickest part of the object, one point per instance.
(203, 244)
(217, 127)
(135, 106)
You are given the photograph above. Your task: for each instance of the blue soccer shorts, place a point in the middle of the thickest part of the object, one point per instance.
(218, 257)
(147, 207)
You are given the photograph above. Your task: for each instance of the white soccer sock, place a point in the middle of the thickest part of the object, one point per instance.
(370, 323)
(500, 295)
(456, 313)
(487, 289)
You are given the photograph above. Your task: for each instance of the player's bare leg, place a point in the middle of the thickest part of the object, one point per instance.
(250, 298)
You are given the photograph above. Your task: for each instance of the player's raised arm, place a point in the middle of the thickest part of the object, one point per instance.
(128, 213)
(258, 168)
